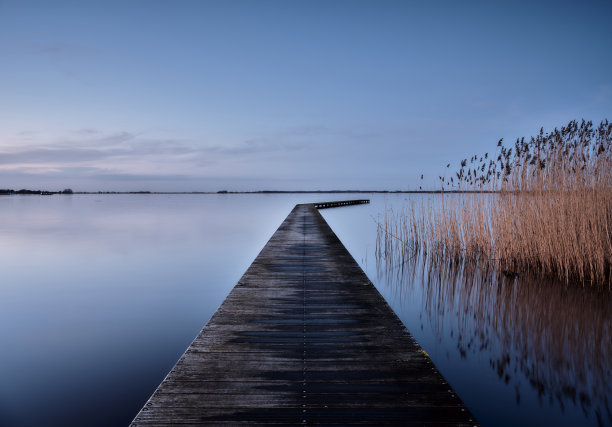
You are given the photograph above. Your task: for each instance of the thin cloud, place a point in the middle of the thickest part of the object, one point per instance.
(126, 154)
(89, 154)
(255, 146)
(299, 138)
(88, 131)
(111, 176)
(53, 155)
(56, 49)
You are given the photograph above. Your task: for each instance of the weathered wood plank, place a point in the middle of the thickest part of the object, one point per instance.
(304, 338)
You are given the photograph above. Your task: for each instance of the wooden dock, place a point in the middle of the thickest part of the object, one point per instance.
(326, 205)
(304, 338)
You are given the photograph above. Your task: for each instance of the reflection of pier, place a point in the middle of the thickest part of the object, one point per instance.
(304, 338)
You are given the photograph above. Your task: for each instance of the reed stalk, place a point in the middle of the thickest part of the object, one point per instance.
(550, 212)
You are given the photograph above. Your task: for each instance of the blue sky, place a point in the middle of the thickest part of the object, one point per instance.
(246, 95)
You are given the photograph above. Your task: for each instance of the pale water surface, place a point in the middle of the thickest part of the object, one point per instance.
(100, 295)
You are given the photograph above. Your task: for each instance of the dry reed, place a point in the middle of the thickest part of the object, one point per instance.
(550, 212)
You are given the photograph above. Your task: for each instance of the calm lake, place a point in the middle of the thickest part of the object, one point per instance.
(101, 294)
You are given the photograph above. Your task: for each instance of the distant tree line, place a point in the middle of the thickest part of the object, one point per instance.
(39, 192)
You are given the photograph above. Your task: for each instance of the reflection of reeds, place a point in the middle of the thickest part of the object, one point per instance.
(551, 214)
(557, 339)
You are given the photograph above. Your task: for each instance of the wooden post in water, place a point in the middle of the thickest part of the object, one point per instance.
(304, 338)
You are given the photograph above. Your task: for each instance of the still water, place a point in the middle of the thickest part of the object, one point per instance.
(100, 295)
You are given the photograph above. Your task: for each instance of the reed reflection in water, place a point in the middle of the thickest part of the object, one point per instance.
(551, 337)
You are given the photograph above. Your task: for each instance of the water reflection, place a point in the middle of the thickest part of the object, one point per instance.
(539, 335)
(100, 294)
(113, 289)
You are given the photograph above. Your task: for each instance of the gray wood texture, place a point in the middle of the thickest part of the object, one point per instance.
(304, 338)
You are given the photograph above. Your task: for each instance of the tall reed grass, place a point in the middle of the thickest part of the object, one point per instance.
(550, 212)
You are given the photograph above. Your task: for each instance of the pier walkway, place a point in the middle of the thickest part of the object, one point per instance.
(304, 338)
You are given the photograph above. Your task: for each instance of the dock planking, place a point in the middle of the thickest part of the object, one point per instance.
(304, 338)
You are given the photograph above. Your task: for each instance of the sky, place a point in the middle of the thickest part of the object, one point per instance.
(126, 95)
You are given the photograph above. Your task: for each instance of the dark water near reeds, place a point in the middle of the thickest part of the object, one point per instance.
(100, 294)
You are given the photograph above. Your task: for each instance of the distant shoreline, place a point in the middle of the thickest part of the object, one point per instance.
(70, 192)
